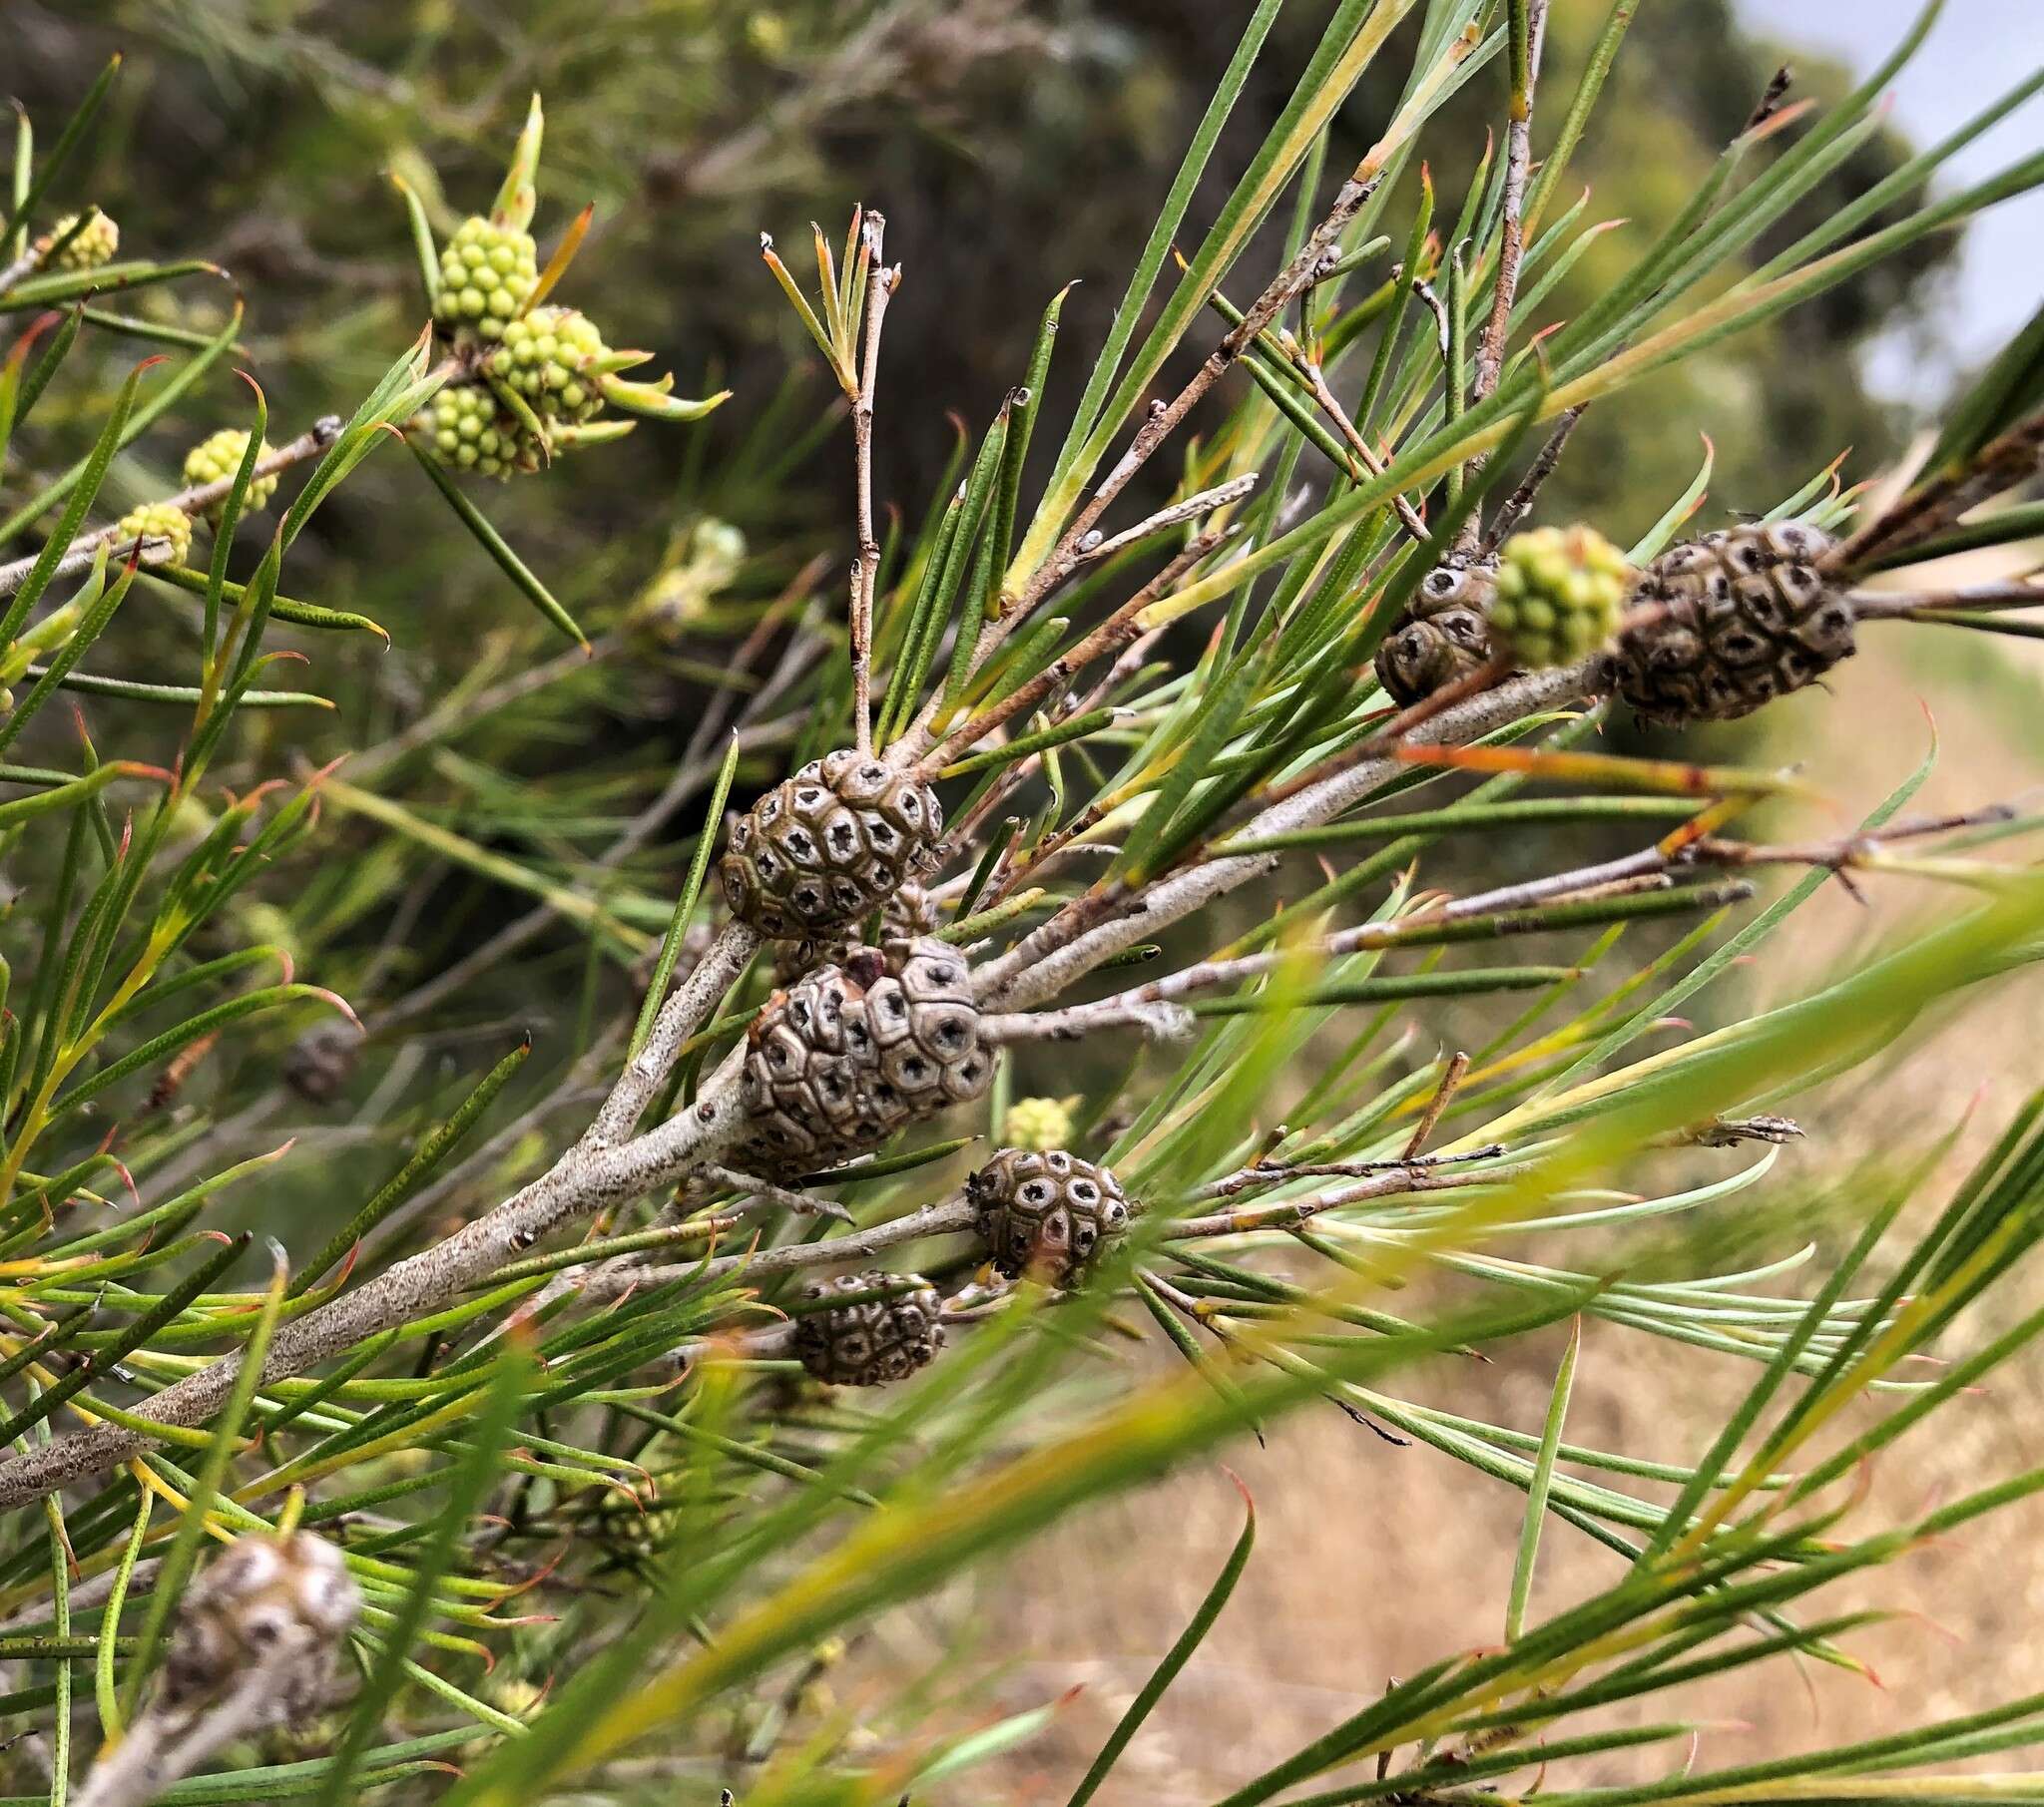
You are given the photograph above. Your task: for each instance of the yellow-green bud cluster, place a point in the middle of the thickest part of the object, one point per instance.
(1038, 1124)
(92, 247)
(487, 274)
(157, 521)
(550, 357)
(1559, 595)
(465, 428)
(216, 459)
(681, 600)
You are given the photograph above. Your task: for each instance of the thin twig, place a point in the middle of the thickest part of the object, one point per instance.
(804, 1205)
(1490, 350)
(1112, 635)
(1283, 1213)
(1175, 514)
(881, 284)
(1365, 454)
(195, 500)
(1903, 604)
(1443, 1095)
(1520, 503)
(1102, 924)
(1281, 1173)
(1162, 418)
(946, 1218)
(1512, 909)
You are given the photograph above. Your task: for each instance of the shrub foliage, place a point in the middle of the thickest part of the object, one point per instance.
(616, 1398)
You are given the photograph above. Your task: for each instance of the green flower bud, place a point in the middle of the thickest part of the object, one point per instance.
(551, 357)
(1558, 595)
(487, 275)
(157, 521)
(92, 247)
(218, 457)
(464, 428)
(1039, 1124)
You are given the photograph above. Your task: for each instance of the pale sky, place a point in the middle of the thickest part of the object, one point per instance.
(1977, 50)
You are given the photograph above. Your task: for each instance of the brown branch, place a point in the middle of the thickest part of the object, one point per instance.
(1520, 503)
(1112, 635)
(1490, 350)
(1365, 455)
(1282, 1213)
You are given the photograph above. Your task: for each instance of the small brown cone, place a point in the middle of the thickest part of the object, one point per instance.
(1048, 1214)
(855, 1050)
(1442, 636)
(873, 1341)
(1745, 616)
(824, 848)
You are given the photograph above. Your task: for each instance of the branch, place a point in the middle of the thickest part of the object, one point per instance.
(316, 440)
(946, 1218)
(588, 1178)
(1529, 24)
(1100, 925)
(1306, 267)
(1283, 1213)
(1175, 514)
(1365, 454)
(1516, 506)
(1114, 634)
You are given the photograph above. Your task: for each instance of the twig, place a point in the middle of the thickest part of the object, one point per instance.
(149, 549)
(314, 440)
(1158, 1021)
(880, 283)
(1504, 911)
(1490, 350)
(1281, 1172)
(1906, 605)
(804, 1205)
(27, 264)
(1444, 1095)
(1732, 1132)
(1284, 1213)
(1097, 927)
(1112, 635)
(2000, 465)
(1515, 507)
(944, 1218)
(589, 1176)
(1174, 514)
(1365, 454)
(161, 1748)
(683, 1013)
(1307, 267)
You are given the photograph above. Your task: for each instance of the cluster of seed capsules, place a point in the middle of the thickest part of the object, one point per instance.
(1047, 1213)
(874, 1040)
(1710, 630)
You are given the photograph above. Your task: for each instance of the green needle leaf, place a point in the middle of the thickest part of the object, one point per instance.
(1175, 1658)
